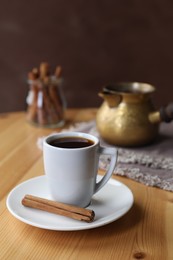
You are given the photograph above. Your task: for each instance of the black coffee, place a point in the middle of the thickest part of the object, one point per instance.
(71, 142)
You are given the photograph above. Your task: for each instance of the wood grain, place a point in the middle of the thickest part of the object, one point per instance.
(145, 232)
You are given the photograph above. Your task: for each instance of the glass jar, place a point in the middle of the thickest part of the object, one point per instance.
(45, 100)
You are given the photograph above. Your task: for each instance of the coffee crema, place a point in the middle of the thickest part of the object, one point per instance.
(71, 142)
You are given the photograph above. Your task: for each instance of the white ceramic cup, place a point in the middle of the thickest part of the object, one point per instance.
(72, 172)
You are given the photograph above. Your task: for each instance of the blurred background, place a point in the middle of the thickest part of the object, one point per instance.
(96, 42)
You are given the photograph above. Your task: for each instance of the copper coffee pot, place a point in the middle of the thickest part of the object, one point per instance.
(127, 116)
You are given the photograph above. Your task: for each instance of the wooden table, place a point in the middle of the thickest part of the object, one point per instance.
(145, 232)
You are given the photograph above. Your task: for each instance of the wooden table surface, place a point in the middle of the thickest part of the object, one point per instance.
(145, 232)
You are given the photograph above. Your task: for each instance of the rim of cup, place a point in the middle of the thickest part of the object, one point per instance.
(54, 136)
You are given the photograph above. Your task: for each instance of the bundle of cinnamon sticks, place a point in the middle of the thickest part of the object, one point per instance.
(70, 211)
(45, 101)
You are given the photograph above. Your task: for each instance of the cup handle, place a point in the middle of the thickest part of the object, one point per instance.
(114, 154)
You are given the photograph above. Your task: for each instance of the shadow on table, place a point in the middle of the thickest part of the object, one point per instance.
(126, 222)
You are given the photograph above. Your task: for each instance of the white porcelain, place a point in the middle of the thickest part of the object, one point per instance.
(109, 204)
(71, 173)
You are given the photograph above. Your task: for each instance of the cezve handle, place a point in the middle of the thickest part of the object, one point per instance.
(166, 113)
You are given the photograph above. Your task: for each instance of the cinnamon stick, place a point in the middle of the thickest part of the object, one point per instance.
(33, 93)
(41, 112)
(67, 210)
(58, 72)
(56, 101)
(44, 70)
(52, 116)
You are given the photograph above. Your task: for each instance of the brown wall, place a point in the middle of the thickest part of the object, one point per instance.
(95, 41)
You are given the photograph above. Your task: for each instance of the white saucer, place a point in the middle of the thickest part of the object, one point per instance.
(109, 204)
